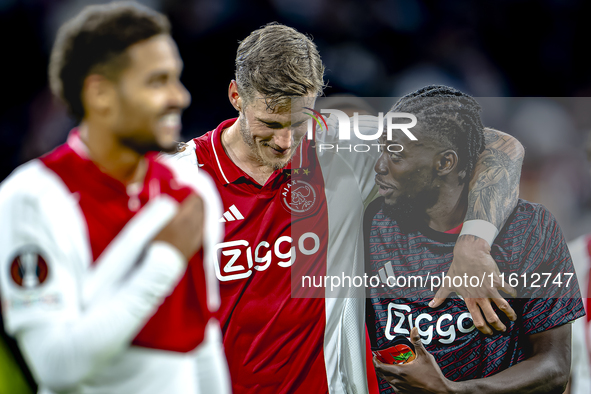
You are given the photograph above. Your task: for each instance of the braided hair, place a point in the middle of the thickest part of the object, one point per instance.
(451, 118)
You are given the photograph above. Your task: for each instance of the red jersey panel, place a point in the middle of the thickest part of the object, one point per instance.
(273, 342)
(107, 205)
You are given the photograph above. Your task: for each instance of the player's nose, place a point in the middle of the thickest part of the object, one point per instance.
(381, 166)
(180, 96)
(284, 138)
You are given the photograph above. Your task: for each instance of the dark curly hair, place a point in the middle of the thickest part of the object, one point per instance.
(450, 117)
(95, 41)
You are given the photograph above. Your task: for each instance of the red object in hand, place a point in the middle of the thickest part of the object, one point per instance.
(401, 353)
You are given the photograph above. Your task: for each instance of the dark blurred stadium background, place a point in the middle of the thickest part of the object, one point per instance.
(502, 48)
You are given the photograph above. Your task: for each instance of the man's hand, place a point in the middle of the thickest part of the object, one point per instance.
(185, 230)
(422, 375)
(472, 258)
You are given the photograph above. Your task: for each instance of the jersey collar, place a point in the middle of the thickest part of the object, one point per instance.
(81, 150)
(76, 143)
(224, 166)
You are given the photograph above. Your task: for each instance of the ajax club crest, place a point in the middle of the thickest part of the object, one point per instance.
(298, 197)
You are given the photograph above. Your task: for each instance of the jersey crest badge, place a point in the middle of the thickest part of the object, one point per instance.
(298, 197)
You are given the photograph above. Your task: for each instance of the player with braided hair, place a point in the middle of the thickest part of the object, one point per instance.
(445, 110)
(411, 231)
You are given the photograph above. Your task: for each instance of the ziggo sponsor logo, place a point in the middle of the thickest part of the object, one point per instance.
(262, 257)
(463, 324)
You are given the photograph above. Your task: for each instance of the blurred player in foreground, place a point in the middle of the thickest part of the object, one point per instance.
(276, 343)
(102, 268)
(412, 231)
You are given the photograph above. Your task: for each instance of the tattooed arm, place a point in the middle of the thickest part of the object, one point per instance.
(494, 189)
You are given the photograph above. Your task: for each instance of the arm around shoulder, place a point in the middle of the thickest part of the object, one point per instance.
(494, 187)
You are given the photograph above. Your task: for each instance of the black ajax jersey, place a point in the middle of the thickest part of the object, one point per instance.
(530, 245)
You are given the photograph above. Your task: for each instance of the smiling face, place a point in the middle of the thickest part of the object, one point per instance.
(407, 179)
(149, 96)
(273, 137)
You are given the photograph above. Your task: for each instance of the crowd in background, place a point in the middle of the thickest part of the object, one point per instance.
(524, 60)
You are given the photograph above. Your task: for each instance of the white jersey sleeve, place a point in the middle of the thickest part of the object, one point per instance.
(44, 268)
(581, 332)
(357, 154)
(42, 252)
(349, 178)
(212, 369)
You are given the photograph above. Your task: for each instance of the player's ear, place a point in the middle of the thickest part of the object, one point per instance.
(234, 96)
(97, 94)
(446, 162)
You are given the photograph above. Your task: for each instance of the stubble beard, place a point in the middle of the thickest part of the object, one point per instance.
(411, 207)
(403, 209)
(144, 146)
(143, 142)
(255, 148)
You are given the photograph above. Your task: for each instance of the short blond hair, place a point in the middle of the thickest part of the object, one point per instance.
(276, 62)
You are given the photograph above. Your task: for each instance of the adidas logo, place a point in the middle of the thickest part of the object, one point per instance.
(386, 272)
(231, 214)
